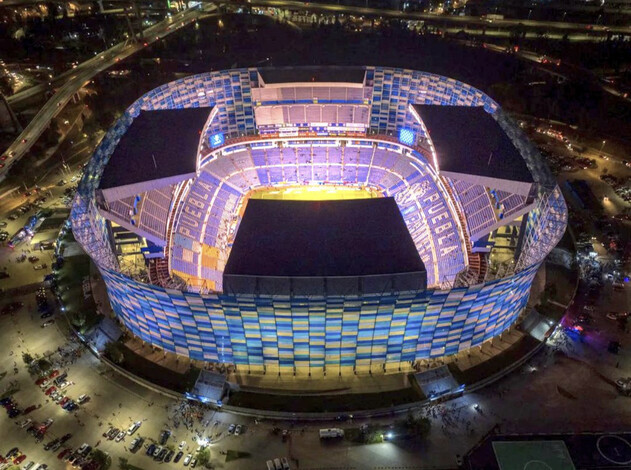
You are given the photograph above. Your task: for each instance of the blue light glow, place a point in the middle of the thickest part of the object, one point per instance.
(407, 136)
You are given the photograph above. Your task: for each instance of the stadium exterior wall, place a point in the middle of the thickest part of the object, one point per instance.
(349, 331)
(333, 332)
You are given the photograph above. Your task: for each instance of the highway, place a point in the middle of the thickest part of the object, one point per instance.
(447, 20)
(74, 79)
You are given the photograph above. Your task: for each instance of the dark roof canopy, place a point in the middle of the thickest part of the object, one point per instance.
(312, 74)
(469, 141)
(158, 144)
(349, 239)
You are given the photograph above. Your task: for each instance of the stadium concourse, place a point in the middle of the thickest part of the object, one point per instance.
(161, 203)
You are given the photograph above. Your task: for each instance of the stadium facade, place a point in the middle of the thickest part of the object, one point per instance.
(176, 170)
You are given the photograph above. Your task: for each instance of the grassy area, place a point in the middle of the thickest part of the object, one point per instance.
(324, 403)
(369, 435)
(125, 465)
(495, 364)
(236, 454)
(10, 392)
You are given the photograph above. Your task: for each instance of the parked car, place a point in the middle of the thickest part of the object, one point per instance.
(25, 423)
(83, 399)
(161, 456)
(164, 436)
(49, 445)
(133, 428)
(29, 409)
(136, 444)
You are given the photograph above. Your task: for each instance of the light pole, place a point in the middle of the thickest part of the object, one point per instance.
(603, 145)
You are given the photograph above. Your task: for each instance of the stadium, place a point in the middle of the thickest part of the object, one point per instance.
(301, 219)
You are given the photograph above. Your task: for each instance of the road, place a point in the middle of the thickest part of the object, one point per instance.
(447, 20)
(80, 76)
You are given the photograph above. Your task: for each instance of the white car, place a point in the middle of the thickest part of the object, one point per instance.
(134, 427)
(285, 463)
(82, 449)
(82, 399)
(65, 384)
(187, 459)
(121, 436)
(182, 445)
(26, 422)
(237, 430)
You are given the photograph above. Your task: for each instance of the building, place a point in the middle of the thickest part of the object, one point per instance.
(161, 202)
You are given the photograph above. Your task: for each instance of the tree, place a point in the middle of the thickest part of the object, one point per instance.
(123, 463)
(103, 459)
(114, 352)
(27, 358)
(418, 427)
(203, 457)
(44, 364)
(78, 320)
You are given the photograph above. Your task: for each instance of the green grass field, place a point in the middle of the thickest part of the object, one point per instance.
(532, 455)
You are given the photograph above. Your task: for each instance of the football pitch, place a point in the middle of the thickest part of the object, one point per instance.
(532, 455)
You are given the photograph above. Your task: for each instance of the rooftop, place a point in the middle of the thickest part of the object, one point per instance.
(312, 74)
(469, 141)
(358, 237)
(158, 144)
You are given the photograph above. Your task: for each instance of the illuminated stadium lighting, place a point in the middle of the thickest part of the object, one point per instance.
(407, 136)
(193, 207)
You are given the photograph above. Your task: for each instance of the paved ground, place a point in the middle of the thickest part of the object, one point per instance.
(563, 394)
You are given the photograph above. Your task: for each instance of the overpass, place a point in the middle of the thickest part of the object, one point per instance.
(74, 79)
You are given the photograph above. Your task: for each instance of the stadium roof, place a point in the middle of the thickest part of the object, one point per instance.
(159, 145)
(273, 75)
(468, 141)
(323, 239)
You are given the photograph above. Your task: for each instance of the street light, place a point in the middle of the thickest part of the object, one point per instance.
(603, 145)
